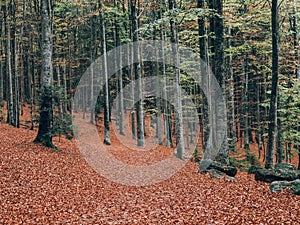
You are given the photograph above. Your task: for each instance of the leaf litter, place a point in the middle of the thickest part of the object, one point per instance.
(42, 186)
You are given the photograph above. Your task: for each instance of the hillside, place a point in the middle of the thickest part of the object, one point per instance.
(42, 186)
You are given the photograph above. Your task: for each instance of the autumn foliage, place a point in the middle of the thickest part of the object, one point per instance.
(42, 186)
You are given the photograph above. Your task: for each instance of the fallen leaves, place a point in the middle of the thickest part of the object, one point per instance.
(42, 186)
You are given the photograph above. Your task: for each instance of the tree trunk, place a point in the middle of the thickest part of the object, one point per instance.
(297, 54)
(259, 132)
(18, 87)
(132, 113)
(158, 94)
(216, 110)
(279, 142)
(105, 70)
(167, 110)
(131, 70)
(1, 62)
(246, 103)
(204, 63)
(274, 92)
(138, 75)
(1, 82)
(10, 101)
(232, 125)
(177, 89)
(44, 135)
(296, 38)
(158, 101)
(92, 108)
(118, 58)
(32, 84)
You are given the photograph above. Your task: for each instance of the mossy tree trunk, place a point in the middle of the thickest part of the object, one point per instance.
(44, 135)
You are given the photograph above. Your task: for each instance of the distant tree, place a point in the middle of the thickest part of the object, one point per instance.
(167, 108)
(9, 72)
(231, 100)
(118, 63)
(138, 75)
(297, 53)
(203, 45)
(1, 50)
(295, 29)
(105, 71)
(177, 89)
(158, 100)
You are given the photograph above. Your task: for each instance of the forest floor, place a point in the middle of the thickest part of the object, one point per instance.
(43, 186)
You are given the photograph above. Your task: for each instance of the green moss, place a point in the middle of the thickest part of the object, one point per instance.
(241, 165)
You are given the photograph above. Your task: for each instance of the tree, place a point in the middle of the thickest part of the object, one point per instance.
(118, 63)
(44, 135)
(105, 71)
(138, 75)
(274, 91)
(177, 88)
(9, 73)
(167, 108)
(231, 107)
(296, 47)
(295, 29)
(217, 64)
(158, 100)
(203, 45)
(243, 67)
(1, 49)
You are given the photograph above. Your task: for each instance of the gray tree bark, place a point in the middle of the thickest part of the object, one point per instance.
(272, 135)
(105, 71)
(296, 38)
(246, 104)
(259, 122)
(297, 53)
(1, 61)
(10, 101)
(223, 155)
(177, 88)
(204, 55)
(232, 126)
(44, 135)
(118, 64)
(92, 109)
(138, 75)
(167, 110)
(158, 102)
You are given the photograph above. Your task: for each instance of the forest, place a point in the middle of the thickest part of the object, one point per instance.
(108, 106)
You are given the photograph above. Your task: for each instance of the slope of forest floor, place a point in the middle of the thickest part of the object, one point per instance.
(42, 186)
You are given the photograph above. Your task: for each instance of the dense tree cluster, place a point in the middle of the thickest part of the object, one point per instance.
(252, 47)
